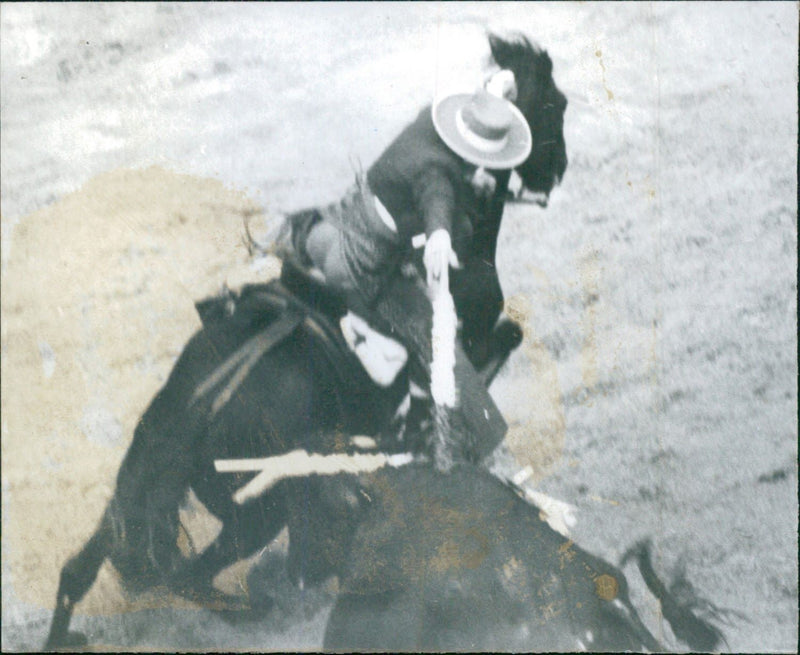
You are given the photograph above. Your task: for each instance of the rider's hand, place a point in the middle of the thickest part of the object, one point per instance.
(438, 255)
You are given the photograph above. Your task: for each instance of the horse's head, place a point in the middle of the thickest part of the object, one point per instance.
(542, 104)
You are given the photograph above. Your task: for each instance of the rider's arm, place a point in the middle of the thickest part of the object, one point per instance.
(435, 198)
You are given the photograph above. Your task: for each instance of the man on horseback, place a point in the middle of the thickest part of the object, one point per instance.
(426, 188)
(268, 353)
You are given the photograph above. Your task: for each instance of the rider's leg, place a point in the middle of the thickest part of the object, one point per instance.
(324, 247)
(408, 310)
(320, 241)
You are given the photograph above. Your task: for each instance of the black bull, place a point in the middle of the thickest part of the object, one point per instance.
(459, 561)
(425, 560)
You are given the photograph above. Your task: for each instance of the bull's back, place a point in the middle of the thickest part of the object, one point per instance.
(451, 562)
(459, 561)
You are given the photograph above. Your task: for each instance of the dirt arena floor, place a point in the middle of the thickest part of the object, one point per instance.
(656, 388)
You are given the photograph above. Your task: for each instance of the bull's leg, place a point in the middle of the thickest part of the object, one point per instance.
(698, 633)
(77, 576)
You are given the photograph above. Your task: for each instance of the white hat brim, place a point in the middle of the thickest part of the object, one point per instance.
(518, 143)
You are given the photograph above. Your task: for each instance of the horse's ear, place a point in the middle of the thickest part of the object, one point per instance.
(546, 69)
(501, 50)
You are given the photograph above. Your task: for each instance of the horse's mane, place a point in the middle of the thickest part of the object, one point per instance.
(517, 46)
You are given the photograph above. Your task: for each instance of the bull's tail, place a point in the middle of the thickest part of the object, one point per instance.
(697, 633)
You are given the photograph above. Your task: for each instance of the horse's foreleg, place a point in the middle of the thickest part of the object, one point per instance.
(479, 302)
(77, 576)
(504, 339)
(245, 530)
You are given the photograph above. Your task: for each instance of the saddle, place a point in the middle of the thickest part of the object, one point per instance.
(274, 311)
(482, 421)
(298, 301)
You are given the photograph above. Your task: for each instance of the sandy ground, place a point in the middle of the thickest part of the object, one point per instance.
(657, 385)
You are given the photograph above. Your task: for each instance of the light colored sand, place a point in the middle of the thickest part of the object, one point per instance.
(97, 303)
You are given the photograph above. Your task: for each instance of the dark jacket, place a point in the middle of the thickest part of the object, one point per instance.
(425, 185)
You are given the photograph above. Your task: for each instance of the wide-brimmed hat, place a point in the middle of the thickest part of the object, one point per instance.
(483, 129)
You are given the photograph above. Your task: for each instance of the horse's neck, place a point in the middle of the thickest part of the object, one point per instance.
(502, 178)
(486, 246)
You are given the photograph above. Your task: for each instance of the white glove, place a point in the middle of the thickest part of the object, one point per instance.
(438, 255)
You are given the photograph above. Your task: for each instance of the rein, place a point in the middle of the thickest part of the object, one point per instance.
(242, 361)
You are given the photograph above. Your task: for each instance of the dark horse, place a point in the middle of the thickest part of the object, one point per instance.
(476, 286)
(480, 571)
(268, 373)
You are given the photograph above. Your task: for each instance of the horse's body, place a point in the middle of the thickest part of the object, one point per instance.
(282, 391)
(479, 571)
(301, 392)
